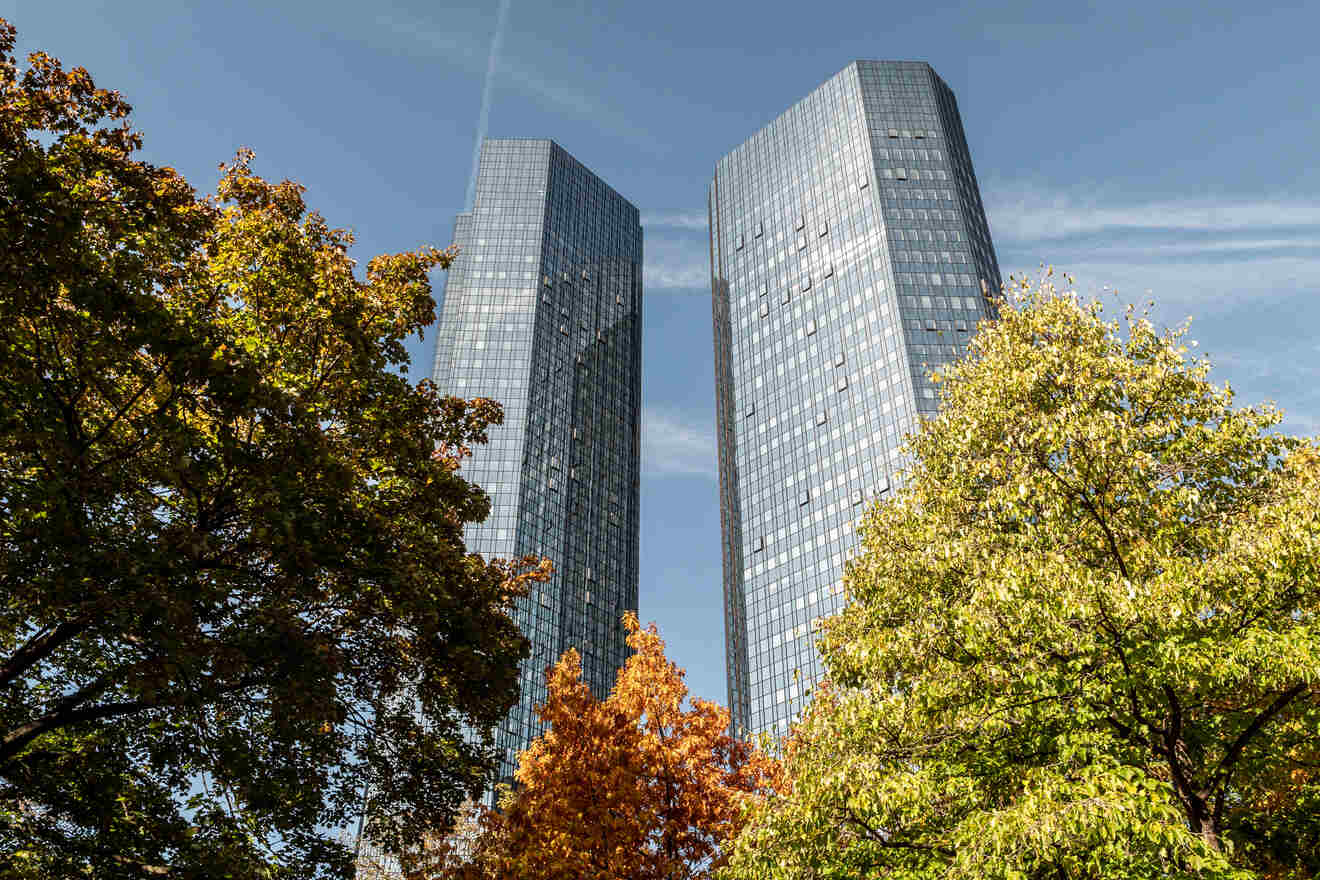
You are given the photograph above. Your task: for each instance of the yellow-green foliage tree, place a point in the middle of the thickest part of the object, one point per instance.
(1082, 642)
(635, 787)
(233, 588)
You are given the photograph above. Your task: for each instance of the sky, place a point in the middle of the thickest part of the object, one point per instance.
(1163, 149)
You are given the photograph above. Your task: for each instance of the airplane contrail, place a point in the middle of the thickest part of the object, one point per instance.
(492, 62)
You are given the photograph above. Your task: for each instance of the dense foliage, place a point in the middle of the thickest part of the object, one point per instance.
(233, 588)
(634, 787)
(1082, 642)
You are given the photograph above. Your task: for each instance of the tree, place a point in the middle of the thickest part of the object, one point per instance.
(634, 787)
(233, 588)
(1081, 641)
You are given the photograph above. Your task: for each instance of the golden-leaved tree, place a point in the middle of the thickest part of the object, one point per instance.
(233, 586)
(633, 787)
(1083, 641)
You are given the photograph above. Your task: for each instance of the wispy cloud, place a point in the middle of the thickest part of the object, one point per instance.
(693, 220)
(396, 31)
(563, 96)
(1203, 284)
(1029, 213)
(483, 118)
(676, 264)
(1196, 253)
(672, 445)
(1196, 288)
(1232, 248)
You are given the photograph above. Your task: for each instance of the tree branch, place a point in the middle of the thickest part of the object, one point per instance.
(887, 840)
(17, 739)
(41, 646)
(67, 712)
(1226, 764)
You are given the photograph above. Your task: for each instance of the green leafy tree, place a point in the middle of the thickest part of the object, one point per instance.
(1081, 642)
(233, 588)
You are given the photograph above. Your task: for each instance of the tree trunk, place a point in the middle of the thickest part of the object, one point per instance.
(1202, 820)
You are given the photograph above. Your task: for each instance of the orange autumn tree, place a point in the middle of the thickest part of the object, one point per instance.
(635, 786)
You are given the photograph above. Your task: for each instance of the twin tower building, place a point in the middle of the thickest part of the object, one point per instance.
(849, 249)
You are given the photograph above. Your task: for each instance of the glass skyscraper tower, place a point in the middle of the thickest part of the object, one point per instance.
(542, 312)
(848, 249)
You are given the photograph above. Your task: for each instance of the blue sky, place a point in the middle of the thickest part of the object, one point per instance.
(1166, 147)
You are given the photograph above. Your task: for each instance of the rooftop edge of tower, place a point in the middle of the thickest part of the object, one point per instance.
(878, 62)
(554, 146)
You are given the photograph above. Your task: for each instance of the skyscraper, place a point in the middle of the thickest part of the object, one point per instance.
(542, 312)
(848, 248)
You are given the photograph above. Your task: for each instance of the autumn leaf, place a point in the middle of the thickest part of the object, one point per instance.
(643, 785)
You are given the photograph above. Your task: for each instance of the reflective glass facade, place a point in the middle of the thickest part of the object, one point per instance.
(542, 312)
(848, 249)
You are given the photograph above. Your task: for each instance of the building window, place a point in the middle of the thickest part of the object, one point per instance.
(787, 297)
(806, 282)
(824, 229)
(811, 326)
(804, 497)
(765, 309)
(822, 417)
(841, 384)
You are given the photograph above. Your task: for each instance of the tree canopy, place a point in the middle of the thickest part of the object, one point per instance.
(633, 787)
(233, 588)
(1081, 641)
